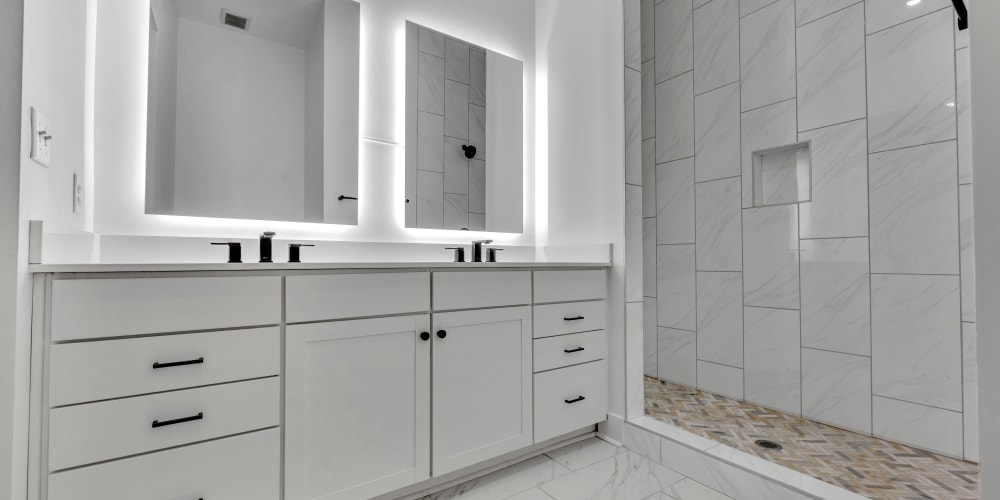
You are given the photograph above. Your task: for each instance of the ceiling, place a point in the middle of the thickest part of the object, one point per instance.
(288, 22)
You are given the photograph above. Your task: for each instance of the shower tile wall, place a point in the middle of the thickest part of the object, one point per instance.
(854, 308)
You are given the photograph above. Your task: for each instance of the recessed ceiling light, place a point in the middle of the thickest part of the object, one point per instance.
(911, 3)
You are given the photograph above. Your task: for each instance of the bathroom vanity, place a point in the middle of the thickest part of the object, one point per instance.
(301, 381)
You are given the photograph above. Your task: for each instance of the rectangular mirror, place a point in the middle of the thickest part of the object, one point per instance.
(464, 135)
(253, 109)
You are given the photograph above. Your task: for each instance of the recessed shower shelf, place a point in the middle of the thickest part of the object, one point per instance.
(782, 175)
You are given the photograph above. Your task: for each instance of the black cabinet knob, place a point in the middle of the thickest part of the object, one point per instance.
(442, 334)
(425, 336)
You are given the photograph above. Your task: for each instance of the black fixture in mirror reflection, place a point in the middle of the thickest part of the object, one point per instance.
(342, 198)
(235, 251)
(963, 14)
(470, 151)
(265, 246)
(294, 254)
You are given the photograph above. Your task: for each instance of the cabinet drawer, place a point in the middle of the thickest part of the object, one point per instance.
(94, 308)
(572, 317)
(566, 350)
(243, 467)
(336, 296)
(560, 286)
(553, 415)
(94, 432)
(470, 290)
(91, 371)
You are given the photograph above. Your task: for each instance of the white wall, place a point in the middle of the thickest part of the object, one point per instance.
(504, 148)
(162, 117)
(313, 174)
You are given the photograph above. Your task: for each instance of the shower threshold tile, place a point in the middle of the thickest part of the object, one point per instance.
(862, 464)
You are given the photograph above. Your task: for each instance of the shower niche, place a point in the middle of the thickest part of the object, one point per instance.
(782, 175)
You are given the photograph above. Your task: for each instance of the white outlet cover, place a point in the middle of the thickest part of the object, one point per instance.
(41, 138)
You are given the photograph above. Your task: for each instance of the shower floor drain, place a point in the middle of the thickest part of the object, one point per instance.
(770, 445)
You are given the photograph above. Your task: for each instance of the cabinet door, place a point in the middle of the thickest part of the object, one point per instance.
(482, 386)
(357, 407)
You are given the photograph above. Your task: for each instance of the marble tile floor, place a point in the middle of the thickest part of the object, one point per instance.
(865, 465)
(588, 470)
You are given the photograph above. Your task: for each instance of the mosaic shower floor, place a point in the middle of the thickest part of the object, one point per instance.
(863, 464)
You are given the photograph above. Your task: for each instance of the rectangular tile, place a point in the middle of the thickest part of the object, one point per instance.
(720, 318)
(964, 106)
(633, 126)
(772, 368)
(477, 222)
(673, 38)
(626, 476)
(967, 244)
(675, 118)
(916, 339)
(633, 244)
(811, 10)
(750, 6)
(675, 202)
(771, 257)
(717, 133)
(430, 142)
(431, 42)
(716, 45)
(718, 225)
(650, 337)
(581, 454)
(677, 356)
(456, 110)
(837, 389)
(649, 257)
(506, 482)
(765, 128)
(430, 83)
(643, 442)
(648, 100)
(836, 303)
(689, 489)
(633, 42)
(911, 83)
(430, 199)
(635, 358)
(675, 289)
(456, 165)
(477, 186)
(916, 425)
(970, 391)
(767, 55)
(477, 77)
(477, 130)
(456, 66)
(882, 14)
(720, 379)
(649, 178)
(839, 205)
(831, 69)
(646, 21)
(456, 211)
(914, 210)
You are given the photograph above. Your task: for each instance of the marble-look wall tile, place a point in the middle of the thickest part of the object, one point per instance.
(675, 200)
(456, 211)
(914, 210)
(430, 199)
(675, 118)
(772, 368)
(646, 21)
(963, 77)
(430, 141)
(767, 55)
(720, 318)
(649, 178)
(916, 339)
(911, 83)
(650, 336)
(648, 101)
(811, 10)
(477, 130)
(750, 6)
(720, 379)
(831, 69)
(836, 302)
(456, 109)
(430, 83)
(717, 133)
(477, 77)
(431, 42)
(718, 225)
(967, 241)
(633, 244)
(633, 126)
(765, 128)
(839, 206)
(771, 257)
(477, 222)
(456, 66)
(917, 425)
(649, 257)
(837, 389)
(636, 359)
(716, 45)
(970, 390)
(675, 288)
(633, 41)
(643, 442)
(456, 165)
(677, 356)
(673, 42)
(882, 14)
(477, 186)
(962, 37)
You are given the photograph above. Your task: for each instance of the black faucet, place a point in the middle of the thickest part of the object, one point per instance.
(265, 246)
(477, 249)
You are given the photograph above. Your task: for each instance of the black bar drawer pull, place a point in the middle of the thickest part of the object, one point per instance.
(577, 400)
(157, 423)
(157, 366)
(575, 318)
(571, 351)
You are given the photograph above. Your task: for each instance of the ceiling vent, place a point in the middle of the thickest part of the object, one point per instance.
(234, 20)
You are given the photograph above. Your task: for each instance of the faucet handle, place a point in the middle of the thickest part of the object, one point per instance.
(459, 253)
(484, 242)
(235, 251)
(491, 254)
(267, 234)
(294, 255)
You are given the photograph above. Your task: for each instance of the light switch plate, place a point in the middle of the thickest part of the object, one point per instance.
(77, 195)
(41, 138)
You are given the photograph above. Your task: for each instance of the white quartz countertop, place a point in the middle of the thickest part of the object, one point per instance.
(202, 267)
